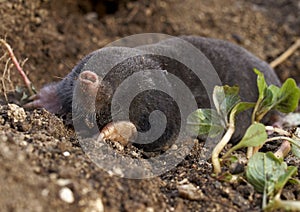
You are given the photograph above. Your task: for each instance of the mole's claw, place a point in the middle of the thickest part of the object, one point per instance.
(121, 131)
(34, 104)
(33, 97)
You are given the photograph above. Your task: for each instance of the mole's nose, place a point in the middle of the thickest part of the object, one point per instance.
(88, 77)
(89, 83)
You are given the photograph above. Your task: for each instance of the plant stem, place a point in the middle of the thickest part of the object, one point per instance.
(19, 68)
(249, 152)
(283, 150)
(278, 130)
(277, 203)
(253, 119)
(290, 205)
(219, 147)
(281, 138)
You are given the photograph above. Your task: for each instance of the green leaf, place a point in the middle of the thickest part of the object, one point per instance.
(205, 121)
(296, 150)
(288, 97)
(255, 136)
(261, 84)
(275, 90)
(264, 97)
(284, 99)
(269, 98)
(240, 107)
(294, 181)
(264, 170)
(225, 98)
(283, 179)
(295, 142)
(296, 146)
(213, 122)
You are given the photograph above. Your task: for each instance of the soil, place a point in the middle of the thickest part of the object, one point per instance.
(40, 157)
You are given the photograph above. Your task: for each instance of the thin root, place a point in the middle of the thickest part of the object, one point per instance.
(19, 68)
(6, 70)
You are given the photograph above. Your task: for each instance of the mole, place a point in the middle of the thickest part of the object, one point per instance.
(233, 64)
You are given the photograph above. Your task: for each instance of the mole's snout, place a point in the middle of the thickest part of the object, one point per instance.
(86, 90)
(89, 83)
(88, 77)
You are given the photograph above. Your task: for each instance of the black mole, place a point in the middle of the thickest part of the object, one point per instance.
(233, 64)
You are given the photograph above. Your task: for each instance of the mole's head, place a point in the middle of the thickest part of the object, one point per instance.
(89, 94)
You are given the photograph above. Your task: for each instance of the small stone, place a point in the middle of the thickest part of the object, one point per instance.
(190, 192)
(23, 143)
(53, 176)
(66, 154)
(174, 147)
(66, 195)
(95, 206)
(2, 120)
(134, 154)
(45, 192)
(37, 169)
(30, 148)
(149, 209)
(184, 181)
(91, 16)
(63, 182)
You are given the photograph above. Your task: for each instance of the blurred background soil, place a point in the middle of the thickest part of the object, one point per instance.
(42, 167)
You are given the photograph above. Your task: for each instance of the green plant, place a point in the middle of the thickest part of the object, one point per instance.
(266, 172)
(268, 175)
(215, 121)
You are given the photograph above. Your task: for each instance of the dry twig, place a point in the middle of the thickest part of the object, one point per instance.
(286, 54)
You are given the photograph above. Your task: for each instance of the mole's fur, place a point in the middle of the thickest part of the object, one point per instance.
(233, 64)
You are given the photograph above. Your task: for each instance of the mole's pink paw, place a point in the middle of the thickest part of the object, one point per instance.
(121, 131)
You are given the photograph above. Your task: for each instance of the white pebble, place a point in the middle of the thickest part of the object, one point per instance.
(66, 154)
(63, 182)
(66, 195)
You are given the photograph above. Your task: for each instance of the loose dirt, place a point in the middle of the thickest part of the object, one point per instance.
(42, 166)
